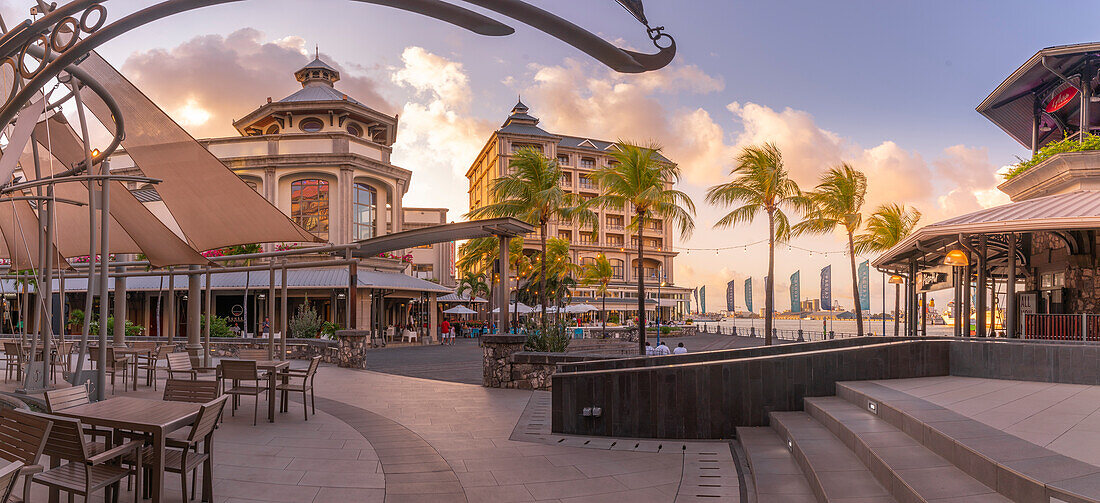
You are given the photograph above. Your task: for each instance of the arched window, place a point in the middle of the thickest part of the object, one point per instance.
(364, 209)
(309, 205)
(354, 130)
(311, 125)
(274, 129)
(616, 268)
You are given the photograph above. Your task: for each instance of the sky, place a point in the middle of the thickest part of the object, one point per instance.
(889, 87)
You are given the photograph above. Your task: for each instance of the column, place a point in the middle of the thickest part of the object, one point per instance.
(120, 308)
(1010, 297)
(983, 281)
(194, 308)
(502, 291)
(170, 315)
(965, 292)
(433, 317)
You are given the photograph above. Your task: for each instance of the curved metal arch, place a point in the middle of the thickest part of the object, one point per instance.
(15, 42)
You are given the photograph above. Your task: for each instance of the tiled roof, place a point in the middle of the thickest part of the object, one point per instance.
(318, 93)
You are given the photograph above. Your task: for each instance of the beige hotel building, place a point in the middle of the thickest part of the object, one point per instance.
(578, 157)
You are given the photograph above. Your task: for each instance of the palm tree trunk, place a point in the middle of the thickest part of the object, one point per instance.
(641, 287)
(855, 286)
(769, 300)
(542, 275)
(897, 306)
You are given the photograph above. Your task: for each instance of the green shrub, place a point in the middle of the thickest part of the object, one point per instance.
(76, 318)
(131, 329)
(328, 329)
(219, 327)
(1090, 142)
(555, 339)
(306, 324)
(613, 318)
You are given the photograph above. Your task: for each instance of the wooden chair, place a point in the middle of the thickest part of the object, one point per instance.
(180, 363)
(183, 455)
(61, 358)
(149, 363)
(181, 390)
(9, 475)
(236, 371)
(22, 440)
(305, 387)
(90, 466)
(67, 398)
(14, 359)
(252, 354)
(116, 364)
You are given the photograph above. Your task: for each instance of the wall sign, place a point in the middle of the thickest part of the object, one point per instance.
(1061, 99)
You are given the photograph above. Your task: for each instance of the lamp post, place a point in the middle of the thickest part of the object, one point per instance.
(895, 280)
(660, 283)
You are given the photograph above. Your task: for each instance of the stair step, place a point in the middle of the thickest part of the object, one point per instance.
(1016, 468)
(834, 472)
(775, 475)
(910, 471)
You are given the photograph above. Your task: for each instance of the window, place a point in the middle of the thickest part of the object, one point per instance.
(585, 182)
(587, 261)
(422, 271)
(587, 238)
(516, 147)
(252, 185)
(616, 268)
(567, 179)
(311, 125)
(566, 235)
(654, 225)
(588, 162)
(273, 129)
(364, 208)
(1059, 279)
(309, 205)
(355, 130)
(615, 222)
(563, 160)
(615, 240)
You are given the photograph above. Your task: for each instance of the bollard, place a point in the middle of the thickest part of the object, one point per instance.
(734, 332)
(800, 339)
(831, 335)
(752, 331)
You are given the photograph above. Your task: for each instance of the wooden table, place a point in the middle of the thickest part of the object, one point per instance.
(134, 352)
(156, 418)
(272, 367)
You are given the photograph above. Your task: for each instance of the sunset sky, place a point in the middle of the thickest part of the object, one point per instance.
(890, 88)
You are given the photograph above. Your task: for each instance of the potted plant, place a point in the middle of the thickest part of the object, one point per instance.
(75, 322)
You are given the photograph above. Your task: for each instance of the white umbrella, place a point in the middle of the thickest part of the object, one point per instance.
(460, 310)
(581, 308)
(522, 309)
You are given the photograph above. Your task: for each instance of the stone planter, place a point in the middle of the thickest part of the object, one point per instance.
(351, 349)
(497, 351)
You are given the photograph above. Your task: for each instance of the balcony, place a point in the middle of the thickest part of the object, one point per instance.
(1058, 174)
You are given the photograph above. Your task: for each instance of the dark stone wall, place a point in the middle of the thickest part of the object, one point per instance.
(709, 400)
(1049, 361)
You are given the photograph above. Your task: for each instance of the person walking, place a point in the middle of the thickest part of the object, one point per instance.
(266, 330)
(445, 330)
(680, 349)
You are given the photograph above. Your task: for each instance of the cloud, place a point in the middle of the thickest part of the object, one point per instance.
(437, 136)
(209, 81)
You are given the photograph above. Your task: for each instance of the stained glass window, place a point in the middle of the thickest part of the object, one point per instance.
(309, 205)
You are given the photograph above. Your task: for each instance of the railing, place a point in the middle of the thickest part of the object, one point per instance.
(1062, 327)
(782, 334)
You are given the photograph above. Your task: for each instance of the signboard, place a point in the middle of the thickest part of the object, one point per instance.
(863, 274)
(1061, 99)
(731, 296)
(748, 294)
(796, 305)
(827, 288)
(935, 279)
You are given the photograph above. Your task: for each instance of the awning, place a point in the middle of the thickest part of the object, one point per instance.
(1059, 212)
(465, 297)
(299, 279)
(460, 310)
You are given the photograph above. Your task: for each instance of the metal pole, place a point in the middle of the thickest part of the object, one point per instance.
(353, 293)
(86, 329)
(285, 332)
(911, 300)
(120, 309)
(194, 309)
(983, 280)
(966, 296)
(924, 314)
(271, 300)
(171, 308)
(502, 292)
(209, 318)
(104, 274)
(1010, 295)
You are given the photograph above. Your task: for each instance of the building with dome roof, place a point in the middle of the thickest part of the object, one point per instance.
(578, 157)
(323, 158)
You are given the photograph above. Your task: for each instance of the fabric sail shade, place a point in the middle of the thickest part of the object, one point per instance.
(134, 229)
(212, 206)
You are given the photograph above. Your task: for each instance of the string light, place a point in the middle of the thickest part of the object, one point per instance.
(745, 248)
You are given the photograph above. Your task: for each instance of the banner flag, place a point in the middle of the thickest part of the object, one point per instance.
(863, 273)
(796, 304)
(731, 296)
(827, 288)
(748, 294)
(702, 299)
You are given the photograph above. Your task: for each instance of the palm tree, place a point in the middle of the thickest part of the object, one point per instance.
(479, 254)
(760, 184)
(474, 283)
(599, 272)
(641, 177)
(886, 227)
(559, 266)
(532, 192)
(837, 202)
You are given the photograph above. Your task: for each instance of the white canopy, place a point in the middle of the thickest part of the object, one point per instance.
(460, 310)
(581, 308)
(522, 309)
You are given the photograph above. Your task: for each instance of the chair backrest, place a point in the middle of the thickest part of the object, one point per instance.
(112, 360)
(252, 354)
(179, 361)
(8, 477)
(22, 436)
(185, 390)
(144, 345)
(207, 418)
(313, 364)
(239, 370)
(163, 349)
(13, 348)
(64, 398)
(66, 439)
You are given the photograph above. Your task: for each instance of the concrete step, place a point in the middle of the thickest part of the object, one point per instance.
(902, 465)
(834, 472)
(1014, 467)
(775, 475)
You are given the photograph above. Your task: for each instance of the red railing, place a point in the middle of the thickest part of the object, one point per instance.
(1062, 327)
